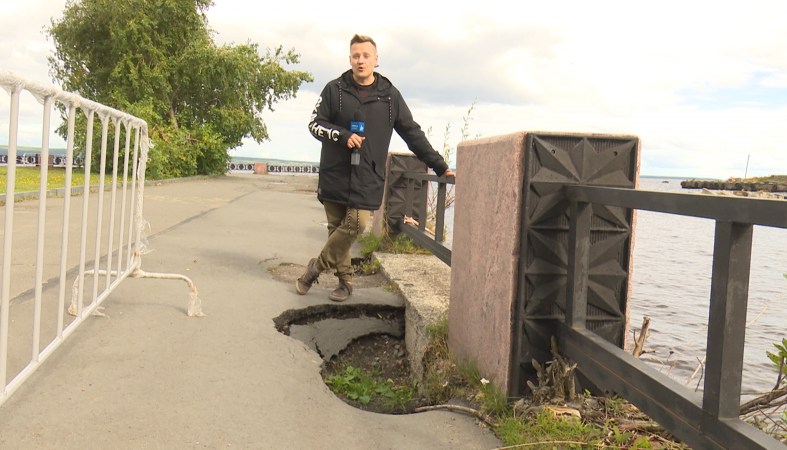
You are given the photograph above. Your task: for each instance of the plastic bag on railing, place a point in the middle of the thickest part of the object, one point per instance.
(144, 245)
(195, 305)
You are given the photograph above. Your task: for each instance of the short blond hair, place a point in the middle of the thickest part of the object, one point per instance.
(359, 39)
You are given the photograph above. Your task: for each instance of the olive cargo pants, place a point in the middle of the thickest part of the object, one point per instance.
(345, 224)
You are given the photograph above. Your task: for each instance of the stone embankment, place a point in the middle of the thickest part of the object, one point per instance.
(734, 185)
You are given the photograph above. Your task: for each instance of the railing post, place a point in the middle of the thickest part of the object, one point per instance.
(5, 288)
(112, 206)
(42, 188)
(61, 297)
(578, 263)
(85, 203)
(440, 216)
(727, 323)
(408, 200)
(100, 211)
(422, 208)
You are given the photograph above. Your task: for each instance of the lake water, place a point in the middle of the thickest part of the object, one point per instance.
(673, 258)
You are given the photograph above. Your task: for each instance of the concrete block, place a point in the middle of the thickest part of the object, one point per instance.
(261, 168)
(485, 255)
(424, 283)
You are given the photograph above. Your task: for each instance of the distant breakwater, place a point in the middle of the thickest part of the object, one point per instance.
(734, 185)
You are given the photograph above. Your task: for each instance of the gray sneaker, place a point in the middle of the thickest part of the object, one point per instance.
(341, 293)
(306, 280)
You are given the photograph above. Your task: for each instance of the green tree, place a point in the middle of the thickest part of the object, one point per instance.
(157, 59)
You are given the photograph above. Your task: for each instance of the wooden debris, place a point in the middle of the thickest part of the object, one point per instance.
(639, 348)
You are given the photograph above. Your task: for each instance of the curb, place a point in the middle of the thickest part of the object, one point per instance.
(424, 282)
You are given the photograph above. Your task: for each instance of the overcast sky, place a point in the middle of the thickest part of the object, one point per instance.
(703, 84)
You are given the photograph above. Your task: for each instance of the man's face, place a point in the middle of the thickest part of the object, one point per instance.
(363, 59)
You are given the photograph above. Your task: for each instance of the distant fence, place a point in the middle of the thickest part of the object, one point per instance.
(117, 249)
(34, 159)
(276, 168)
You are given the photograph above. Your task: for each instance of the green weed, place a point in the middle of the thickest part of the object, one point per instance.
(364, 387)
(545, 428)
(780, 356)
(401, 244)
(371, 268)
(353, 384)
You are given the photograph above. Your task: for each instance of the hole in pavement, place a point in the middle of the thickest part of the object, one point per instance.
(362, 346)
(328, 329)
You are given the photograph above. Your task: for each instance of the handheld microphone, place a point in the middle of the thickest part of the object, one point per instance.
(358, 127)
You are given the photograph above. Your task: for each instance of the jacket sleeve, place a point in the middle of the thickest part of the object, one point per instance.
(320, 124)
(414, 137)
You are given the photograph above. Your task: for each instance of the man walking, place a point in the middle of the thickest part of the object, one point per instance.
(354, 119)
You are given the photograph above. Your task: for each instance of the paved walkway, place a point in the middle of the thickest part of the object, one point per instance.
(149, 377)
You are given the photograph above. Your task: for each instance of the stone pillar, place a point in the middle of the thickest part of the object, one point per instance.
(261, 168)
(485, 254)
(510, 246)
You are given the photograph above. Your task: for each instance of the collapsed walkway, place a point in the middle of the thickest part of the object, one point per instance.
(147, 376)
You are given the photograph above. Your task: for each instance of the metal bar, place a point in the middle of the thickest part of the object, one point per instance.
(670, 404)
(439, 226)
(42, 188)
(5, 291)
(112, 204)
(85, 204)
(133, 205)
(61, 297)
(409, 198)
(22, 376)
(727, 323)
(578, 264)
(100, 211)
(429, 177)
(422, 207)
(138, 208)
(425, 240)
(766, 212)
(123, 198)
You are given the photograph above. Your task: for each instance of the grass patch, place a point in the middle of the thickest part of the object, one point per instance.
(401, 244)
(584, 422)
(29, 178)
(546, 427)
(366, 387)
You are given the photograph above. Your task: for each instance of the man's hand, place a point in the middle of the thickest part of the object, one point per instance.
(449, 173)
(355, 141)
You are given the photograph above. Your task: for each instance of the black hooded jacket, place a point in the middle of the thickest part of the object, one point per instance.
(362, 186)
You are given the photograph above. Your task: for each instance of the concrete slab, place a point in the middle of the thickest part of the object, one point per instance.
(424, 282)
(150, 377)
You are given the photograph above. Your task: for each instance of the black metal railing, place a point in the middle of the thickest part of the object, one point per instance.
(709, 420)
(433, 243)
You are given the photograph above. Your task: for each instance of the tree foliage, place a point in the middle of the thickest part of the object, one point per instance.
(157, 59)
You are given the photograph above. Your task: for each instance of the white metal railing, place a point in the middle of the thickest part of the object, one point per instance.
(117, 261)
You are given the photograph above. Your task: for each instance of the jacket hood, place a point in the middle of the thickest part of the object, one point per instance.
(383, 83)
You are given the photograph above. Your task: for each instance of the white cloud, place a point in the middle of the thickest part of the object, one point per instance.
(699, 82)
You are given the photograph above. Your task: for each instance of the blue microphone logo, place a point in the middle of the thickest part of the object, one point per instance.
(356, 127)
